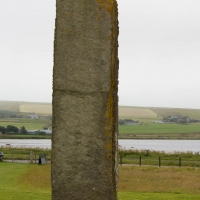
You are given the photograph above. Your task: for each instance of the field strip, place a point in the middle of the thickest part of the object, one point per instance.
(37, 108)
(136, 112)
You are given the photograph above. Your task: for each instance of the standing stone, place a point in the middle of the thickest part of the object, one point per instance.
(85, 101)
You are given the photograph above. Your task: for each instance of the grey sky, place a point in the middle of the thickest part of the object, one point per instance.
(159, 51)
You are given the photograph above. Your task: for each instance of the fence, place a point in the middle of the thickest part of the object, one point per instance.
(25, 155)
(32, 156)
(159, 161)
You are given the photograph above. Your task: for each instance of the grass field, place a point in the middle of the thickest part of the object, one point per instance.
(37, 108)
(131, 112)
(30, 181)
(156, 196)
(27, 107)
(24, 181)
(159, 128)
(25, 136)
(29, 124)
(166, 181)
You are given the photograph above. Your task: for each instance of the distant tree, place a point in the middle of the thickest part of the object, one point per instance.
(12, 116)
(23, 130)
(183, 121)
(12, 129)
(2, 129)
(42, 133)
(121, 122)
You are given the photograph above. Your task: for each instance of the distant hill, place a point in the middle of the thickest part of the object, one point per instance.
(26, 107)
(125, 112)
(193, 113)
(155, 112)
(10, 105)
(136, 112)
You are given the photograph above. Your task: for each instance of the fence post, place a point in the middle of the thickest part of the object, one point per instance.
(179, 163)
(140, 160)
(159, 161)
(12, 155)
(35, 157)
(120, 159)
(31, 157)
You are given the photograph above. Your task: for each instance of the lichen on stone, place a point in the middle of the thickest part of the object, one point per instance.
(108, 4)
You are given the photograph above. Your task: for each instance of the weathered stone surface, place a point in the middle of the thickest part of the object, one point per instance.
(85, 101)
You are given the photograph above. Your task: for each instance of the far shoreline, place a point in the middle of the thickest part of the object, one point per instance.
(150, 136)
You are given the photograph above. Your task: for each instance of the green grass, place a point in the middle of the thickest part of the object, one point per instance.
(25, 136)
(29, 124)
(30, 181)
(156, 196)
(14, 185)
(159, 128)
(158, 183)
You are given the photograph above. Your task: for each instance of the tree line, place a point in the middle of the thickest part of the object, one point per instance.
(12, 129)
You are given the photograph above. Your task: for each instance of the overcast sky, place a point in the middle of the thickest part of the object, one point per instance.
(159, 52)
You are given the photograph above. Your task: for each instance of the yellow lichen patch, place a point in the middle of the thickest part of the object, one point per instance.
(108, 4)
(109, 146)
(99, 17)
(110, 128)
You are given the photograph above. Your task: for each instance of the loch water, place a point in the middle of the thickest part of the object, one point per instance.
(158, 145)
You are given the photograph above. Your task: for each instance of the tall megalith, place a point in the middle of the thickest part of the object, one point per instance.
(85, 101)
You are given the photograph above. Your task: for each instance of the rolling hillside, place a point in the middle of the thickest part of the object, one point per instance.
(145, 115)
(124, 111)
(26, 107)
(155, 112)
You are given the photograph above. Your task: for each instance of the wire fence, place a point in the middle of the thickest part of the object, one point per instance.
(25, 155)
(32, 155)
(158, 161)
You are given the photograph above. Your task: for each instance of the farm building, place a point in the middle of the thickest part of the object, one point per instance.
(33, 132)
(128, 122)
(47, 131)
(33, 116)
(177, 116)
(158, 122)
(131, 122)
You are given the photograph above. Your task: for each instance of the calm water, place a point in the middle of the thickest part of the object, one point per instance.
(162, 145)
(159, 145)
(44, 143)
